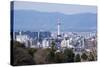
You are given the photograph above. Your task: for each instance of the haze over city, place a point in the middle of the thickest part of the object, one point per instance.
(29, 16)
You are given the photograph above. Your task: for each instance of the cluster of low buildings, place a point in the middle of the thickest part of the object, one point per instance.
(79, 41)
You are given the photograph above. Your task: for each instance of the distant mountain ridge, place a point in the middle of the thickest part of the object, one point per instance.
(35, 20)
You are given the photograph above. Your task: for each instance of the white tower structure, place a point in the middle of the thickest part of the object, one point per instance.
(58, 27)
(20, 33)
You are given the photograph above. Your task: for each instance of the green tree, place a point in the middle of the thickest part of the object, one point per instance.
(59, 57)
(53, 46)
(69, 55)
(84, 56)
(31, 51)
(20, 55)
(77, 58)
(91, 57)
(51, 57)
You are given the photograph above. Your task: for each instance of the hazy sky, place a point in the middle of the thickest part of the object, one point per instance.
(50, 7)
(38, 18)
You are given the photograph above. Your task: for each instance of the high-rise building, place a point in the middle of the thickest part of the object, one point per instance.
(23, 39)
(45, 43)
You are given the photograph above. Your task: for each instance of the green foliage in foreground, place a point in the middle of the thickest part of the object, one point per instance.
(77, 58)
(32, 56)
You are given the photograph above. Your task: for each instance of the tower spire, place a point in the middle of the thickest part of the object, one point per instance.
(58, 26)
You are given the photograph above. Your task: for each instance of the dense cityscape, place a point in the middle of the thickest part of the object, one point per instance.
(78, 42)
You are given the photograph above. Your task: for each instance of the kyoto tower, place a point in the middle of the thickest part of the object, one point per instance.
(58, 28)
